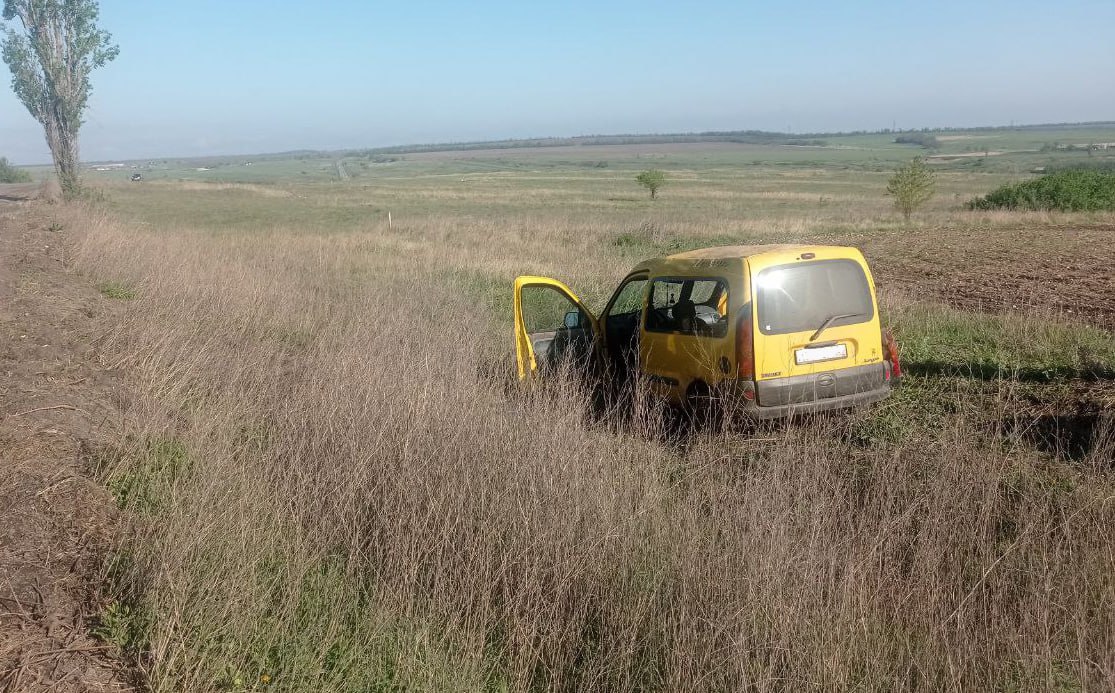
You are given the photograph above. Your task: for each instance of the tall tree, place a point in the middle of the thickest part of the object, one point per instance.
(53, 47)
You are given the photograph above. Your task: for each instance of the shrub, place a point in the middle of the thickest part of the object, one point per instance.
(652, 179)
(1107, 165)
(925, 141)
(1064, 191)
(11, 174)
(911, 185)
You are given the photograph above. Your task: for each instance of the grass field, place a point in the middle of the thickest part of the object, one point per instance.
(333, 483)
(1012, 152)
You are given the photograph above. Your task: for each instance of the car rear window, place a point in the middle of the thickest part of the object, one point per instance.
(803, 295)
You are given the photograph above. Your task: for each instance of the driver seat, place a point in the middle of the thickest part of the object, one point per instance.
(685, 316)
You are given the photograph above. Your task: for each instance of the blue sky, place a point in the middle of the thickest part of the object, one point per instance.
(248, 76)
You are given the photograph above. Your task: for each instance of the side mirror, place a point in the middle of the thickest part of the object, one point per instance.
(573, 319)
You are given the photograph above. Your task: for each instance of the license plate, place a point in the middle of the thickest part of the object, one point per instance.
(825, 353)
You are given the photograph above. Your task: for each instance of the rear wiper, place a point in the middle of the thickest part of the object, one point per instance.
(831, 319)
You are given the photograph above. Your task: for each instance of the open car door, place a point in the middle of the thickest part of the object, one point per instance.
(552, 327)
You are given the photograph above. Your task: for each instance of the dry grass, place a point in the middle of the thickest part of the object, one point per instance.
(334, 487)
(193, 186)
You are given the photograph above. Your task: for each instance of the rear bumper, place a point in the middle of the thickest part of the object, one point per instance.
(780, 411)
(786, 397)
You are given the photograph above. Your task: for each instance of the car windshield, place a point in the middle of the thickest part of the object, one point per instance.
(802, 296)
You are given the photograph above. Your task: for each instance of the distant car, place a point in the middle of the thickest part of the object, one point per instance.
(137, 176)
(775, 329)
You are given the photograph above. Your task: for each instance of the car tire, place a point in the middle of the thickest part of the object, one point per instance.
(704, 409)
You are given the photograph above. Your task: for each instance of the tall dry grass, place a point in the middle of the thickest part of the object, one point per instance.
(356, 498)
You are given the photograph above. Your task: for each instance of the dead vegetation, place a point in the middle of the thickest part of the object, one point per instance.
(328, 490)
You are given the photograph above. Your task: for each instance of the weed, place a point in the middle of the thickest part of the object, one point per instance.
(629, 240)
(125, 626)
(117, 290)
(143, 483)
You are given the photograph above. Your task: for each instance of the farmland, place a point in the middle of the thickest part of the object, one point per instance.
(328, 479)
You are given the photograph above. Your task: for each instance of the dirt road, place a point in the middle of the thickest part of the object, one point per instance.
(21, 192)
(55, 522)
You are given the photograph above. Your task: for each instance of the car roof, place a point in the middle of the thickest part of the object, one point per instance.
(765, 254)
(731, 252)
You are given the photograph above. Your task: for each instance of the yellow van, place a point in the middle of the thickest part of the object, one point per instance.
(775, 329)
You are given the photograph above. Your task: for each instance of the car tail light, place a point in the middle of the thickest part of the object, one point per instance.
(745, 345)
(890, 350)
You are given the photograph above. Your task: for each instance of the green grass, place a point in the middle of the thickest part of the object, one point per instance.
(13, 174)
(1016, 152)
(727, 188)
(957, 363)
(325, 634)
(937, 340)
(489, 291)
(143, 483)
(117, 290)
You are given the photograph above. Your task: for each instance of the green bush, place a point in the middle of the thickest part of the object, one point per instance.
(11, 174)
(652, 179)
(1107, 165)
(1064, 191)
(920, 139)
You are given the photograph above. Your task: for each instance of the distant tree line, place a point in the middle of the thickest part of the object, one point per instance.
(741, 137)
(816, 139)
(921, 139)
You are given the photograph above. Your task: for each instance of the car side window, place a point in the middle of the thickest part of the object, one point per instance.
(629, 299)
(545, 309)
(688, 306)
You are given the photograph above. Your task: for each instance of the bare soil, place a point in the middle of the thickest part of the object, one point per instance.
(18, 192)
(56, 523)
(1063, 270)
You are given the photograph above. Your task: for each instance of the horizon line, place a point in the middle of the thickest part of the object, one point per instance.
(555, 141)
